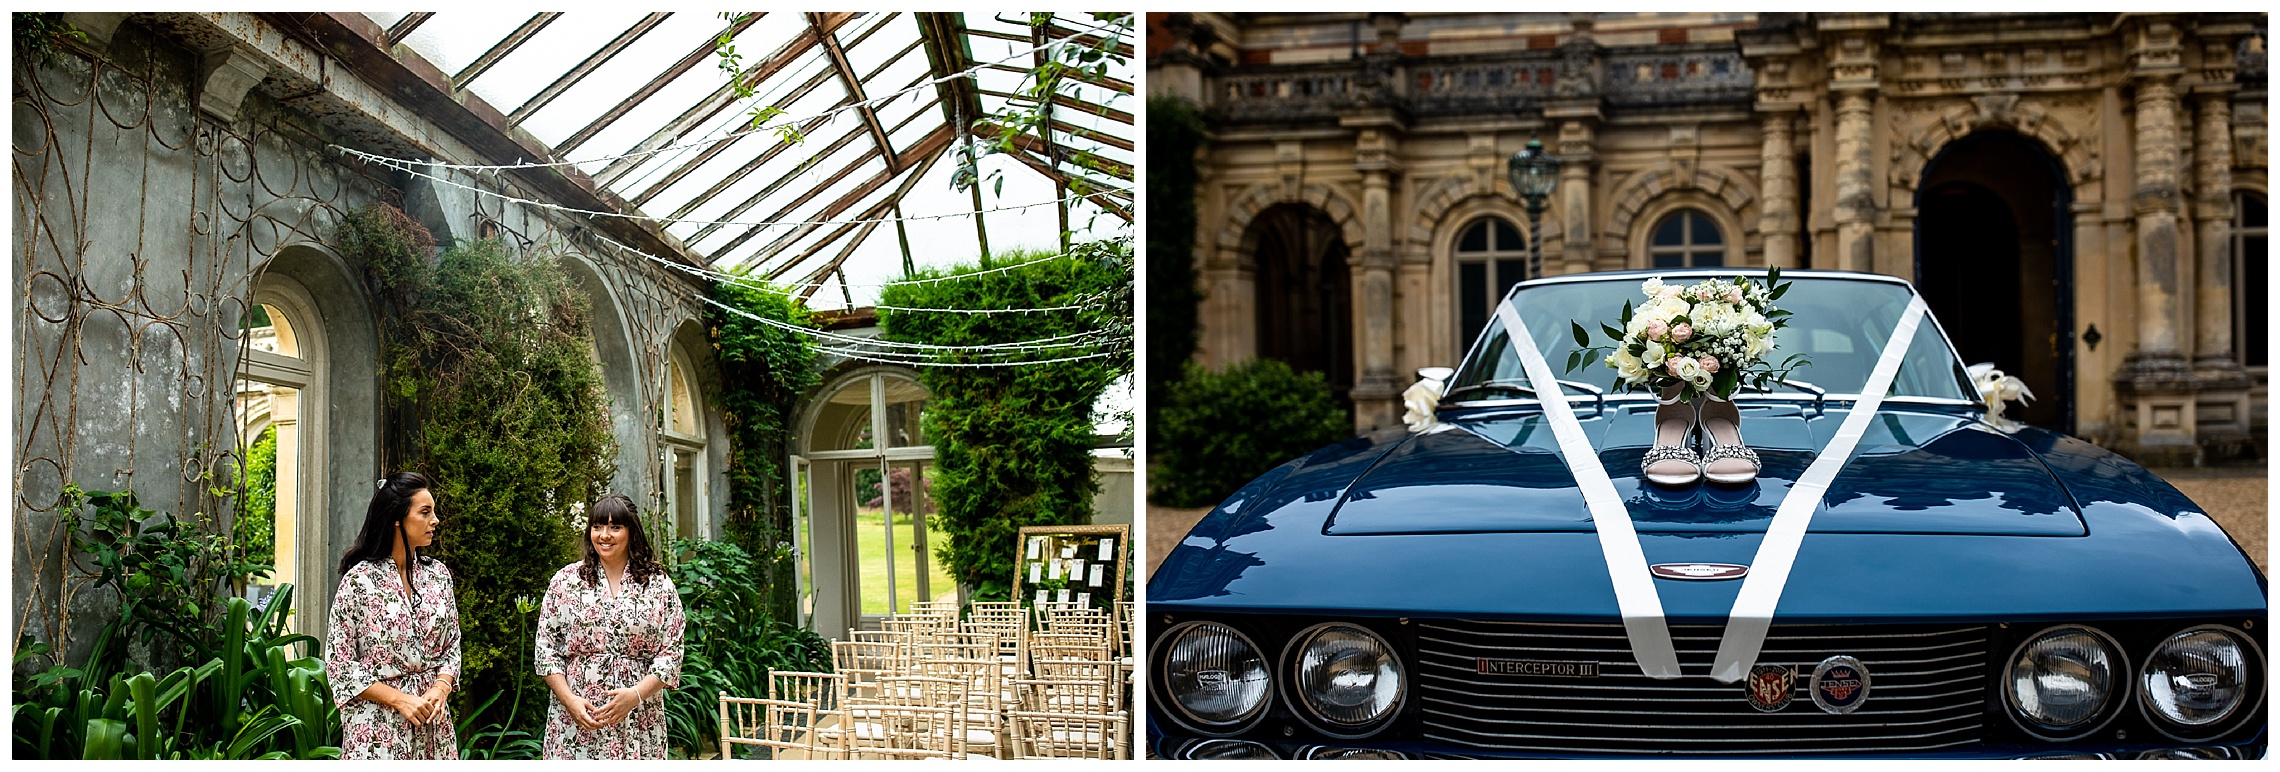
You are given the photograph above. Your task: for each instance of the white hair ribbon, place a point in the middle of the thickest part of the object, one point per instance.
(1769, 571)
(1635, 594)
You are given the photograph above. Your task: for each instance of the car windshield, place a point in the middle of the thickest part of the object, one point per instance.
(1842, 324)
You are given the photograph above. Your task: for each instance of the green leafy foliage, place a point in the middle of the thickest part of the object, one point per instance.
(1013, 444)
(1221, 430)
(40, 35)
(493, 391)
(731, 640)
(1175, 132)
(255, 529)
(252, 699)
(1086, 61)
(164, 573)
(765, 369)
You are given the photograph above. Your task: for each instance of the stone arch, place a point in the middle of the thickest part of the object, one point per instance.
(1732, 191)
(1257, 198)
(2076, 154)
(341, 423)
(1740, 241)
(614, 347)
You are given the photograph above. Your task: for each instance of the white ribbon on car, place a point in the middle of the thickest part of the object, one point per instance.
(1635, 595)
(1777, 554)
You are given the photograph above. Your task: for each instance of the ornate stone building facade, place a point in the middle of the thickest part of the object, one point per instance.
(2080, 196)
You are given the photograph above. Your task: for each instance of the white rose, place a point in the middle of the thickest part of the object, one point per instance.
(1654, 355)
(1685, 369)
(1627, 366)
(1652, 287)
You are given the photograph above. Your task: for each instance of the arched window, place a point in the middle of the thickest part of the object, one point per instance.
(278, 384)
(862, 523)
(2250, 300)
(684, 436)
(1686, 239)
(1491, 256)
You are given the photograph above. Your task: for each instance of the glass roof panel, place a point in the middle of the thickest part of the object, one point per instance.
(549, 54)
(451, 40)
(702, 169)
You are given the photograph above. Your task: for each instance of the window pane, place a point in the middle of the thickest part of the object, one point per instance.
(2254, 274)
(873, 555)
(844, 423)
(681, 408)
(1670, 261)
(1671, 233)
(906, 400)
(1509, 272)
(1472, 300)
(1475, 238)
(1705, 231)
(1508, 237)
(1709, 259)
(2251, 211)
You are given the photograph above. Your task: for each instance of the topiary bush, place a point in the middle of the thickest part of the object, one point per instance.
(1221, 430)
(1013, 444)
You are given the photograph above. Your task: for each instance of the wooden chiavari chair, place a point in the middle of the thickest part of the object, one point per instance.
(1054, 735)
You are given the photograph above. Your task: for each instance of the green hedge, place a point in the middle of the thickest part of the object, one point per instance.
(1013, 444)
(1220, 430)
(1175, 132)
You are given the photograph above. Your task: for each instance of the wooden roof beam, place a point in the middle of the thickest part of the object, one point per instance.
(593, 62)
(934, 142)
(720, 99)
(714, 150)
(854, 85)
(703, 51)
(878, 210)
(1112, 84)
(405, 26)
(1059, 32)
(772, 187)
(505, 46)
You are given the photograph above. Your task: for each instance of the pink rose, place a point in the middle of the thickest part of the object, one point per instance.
(1680, 333)
(1671, 367)
(1734, 296)
(1709, 364)
(1656, 330)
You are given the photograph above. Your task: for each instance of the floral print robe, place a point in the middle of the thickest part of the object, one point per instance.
(378, 635)
(601, 642)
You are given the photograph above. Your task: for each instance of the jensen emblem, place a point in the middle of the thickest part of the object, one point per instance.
(1701, 572)
(1769, 686)
(1840, 685)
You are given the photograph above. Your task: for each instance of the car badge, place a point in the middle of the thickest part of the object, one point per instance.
(1526, 667)
(1839, 685)
(1700, 572)
(1769, 686)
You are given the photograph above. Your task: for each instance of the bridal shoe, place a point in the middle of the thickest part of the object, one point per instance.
(1671, 461)
(1725, 459)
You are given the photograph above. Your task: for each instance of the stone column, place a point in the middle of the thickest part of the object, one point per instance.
(2212, 301)
(2155, 383)
(1578, 155)
(1375, 391)
(1856, 201)
(2223, 402)
(1778, 182)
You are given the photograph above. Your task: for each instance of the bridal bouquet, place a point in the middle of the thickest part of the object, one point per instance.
(1709, 338)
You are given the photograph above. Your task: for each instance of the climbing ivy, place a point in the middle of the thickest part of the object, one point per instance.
(491, 388)
(1013, 444)
(765, 369)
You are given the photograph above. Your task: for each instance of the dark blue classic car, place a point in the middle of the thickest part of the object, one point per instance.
(1505, 585)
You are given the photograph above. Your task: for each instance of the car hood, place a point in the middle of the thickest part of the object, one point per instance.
(1963, 542)
(1914, 472)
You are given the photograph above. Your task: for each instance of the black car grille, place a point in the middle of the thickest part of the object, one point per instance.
(1927, 691)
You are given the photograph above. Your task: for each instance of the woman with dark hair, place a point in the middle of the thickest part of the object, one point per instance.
(609, 643)
(392, 652)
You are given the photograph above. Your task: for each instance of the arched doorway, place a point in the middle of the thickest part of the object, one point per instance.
(865, 484)
(1304, 295)
(1995, 264)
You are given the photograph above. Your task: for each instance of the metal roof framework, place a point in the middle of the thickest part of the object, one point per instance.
(644, 105)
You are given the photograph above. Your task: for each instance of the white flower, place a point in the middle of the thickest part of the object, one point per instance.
(1421, 399)
(1652, 287)
(1684, 369)
(1654, 355)
(1627, 366)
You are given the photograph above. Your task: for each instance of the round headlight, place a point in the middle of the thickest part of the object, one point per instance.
(2196, 678)
(1346, 676)
(2062, 679)
(1216, 678)
(1321, 753)
(1230, 750)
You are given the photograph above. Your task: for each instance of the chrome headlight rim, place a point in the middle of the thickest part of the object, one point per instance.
(1305, 710)
(2121, 693)
(2221, 726)
(1336, 753)
(1261, 751)
(1159, 659)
